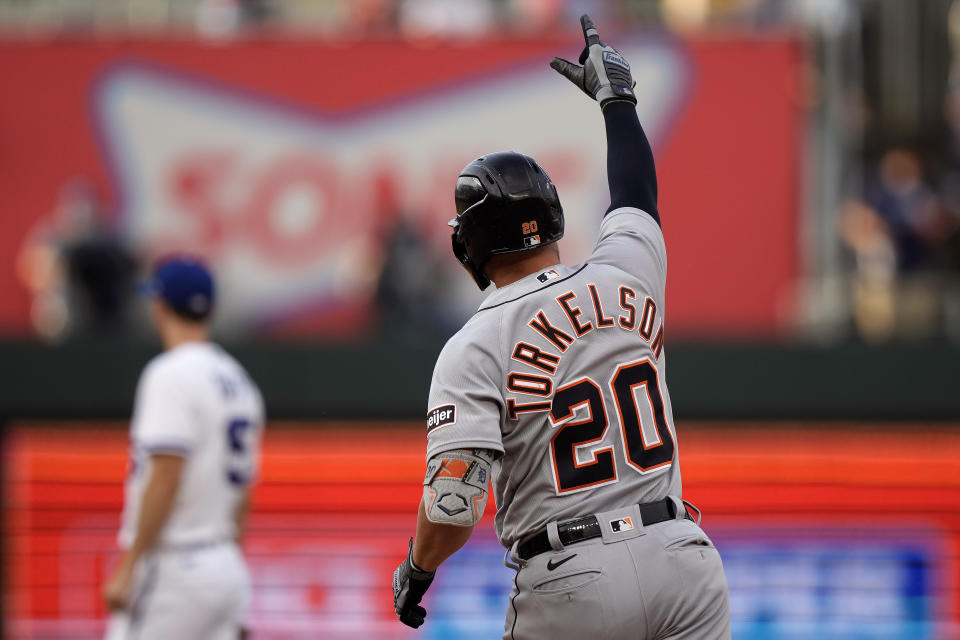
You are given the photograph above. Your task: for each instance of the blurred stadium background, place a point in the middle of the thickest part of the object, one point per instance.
(809, 162)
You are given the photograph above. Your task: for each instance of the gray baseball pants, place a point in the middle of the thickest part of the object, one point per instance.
(659, 582)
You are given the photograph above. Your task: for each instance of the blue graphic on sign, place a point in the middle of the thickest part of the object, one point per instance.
(802, 590)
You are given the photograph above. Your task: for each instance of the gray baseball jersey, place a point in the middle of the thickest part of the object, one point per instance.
(563, 373)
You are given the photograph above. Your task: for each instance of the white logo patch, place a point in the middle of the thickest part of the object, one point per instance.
(443, 415)
(615, 58)
(621, 525)
(547, 275)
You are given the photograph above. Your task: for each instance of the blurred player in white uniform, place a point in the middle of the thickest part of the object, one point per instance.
(195, 442)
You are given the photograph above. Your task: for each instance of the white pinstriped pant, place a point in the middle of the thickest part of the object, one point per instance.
(202, 593)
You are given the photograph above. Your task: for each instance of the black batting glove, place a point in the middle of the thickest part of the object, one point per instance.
(409, 585)
(605, 75)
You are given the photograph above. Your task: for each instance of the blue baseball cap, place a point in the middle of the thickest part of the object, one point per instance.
(184, 283)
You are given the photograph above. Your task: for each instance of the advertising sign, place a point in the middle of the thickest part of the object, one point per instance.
(813, 548)
(302, 179)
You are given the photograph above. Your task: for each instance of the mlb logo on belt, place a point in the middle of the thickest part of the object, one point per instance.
(621, 525)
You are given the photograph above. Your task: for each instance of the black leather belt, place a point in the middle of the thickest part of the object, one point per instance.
(588, 527)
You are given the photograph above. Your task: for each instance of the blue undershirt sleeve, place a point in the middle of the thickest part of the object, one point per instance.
(630, 167)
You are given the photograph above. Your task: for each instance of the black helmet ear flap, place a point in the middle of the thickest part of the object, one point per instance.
(460, 251)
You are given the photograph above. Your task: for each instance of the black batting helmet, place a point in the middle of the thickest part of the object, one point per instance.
(505, 203)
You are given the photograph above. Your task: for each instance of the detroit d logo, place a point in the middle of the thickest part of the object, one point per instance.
(622, 524)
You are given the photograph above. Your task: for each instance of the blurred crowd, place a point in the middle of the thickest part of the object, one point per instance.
(411, 18)
(83, 275)
(78, 270)
(901, 228)
(903, 240)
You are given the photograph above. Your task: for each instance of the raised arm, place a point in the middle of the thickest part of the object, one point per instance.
(605, 77)
(630, 168)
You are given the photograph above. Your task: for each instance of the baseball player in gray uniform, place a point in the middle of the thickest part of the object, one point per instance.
(556, 390)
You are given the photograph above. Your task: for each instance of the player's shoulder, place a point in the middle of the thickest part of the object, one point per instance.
(227, 359)
(632, 240)
(179, 364)
(474, 336)
(161, 367)
(237, 369)
(632, 221)
(478, 340)
(161, 380)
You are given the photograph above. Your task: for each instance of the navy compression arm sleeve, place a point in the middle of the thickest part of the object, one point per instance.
(630, 168)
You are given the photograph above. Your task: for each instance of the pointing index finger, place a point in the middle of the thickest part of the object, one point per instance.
(590, 34)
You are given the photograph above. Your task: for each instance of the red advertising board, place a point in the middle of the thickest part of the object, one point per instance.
(827, 530)
(286, 166)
